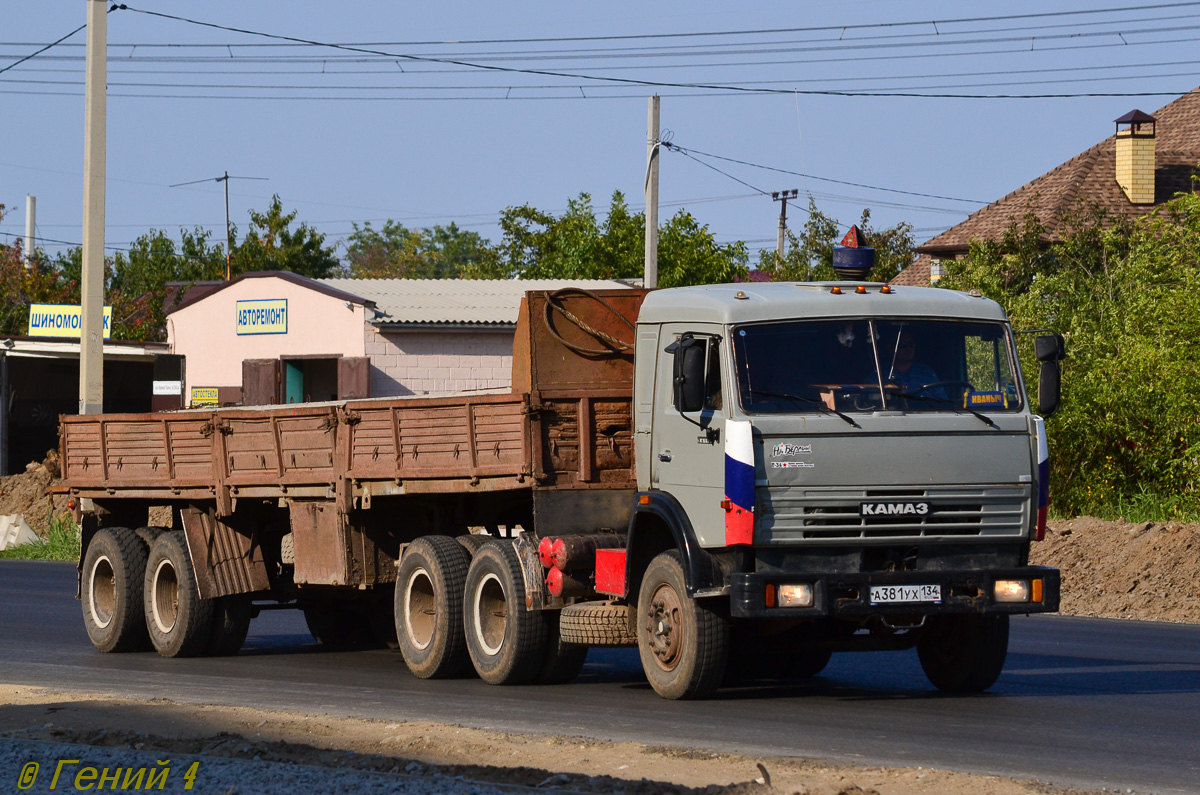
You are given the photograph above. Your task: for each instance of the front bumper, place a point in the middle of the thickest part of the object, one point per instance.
(848, 595)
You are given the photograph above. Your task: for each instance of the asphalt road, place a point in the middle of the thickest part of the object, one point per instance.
(1082, 702)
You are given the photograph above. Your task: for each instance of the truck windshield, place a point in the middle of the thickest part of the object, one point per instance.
(873, 365)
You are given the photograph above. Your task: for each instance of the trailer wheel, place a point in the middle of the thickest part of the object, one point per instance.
(963, 653)
(596, 624)
(564, 660)
(506, 642)
(230, 625)
(683, 644)
(113, 570)
(428, 607)
(179, 621)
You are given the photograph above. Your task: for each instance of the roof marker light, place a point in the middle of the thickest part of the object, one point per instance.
(860, 289)
(741, 295)
(836, 290)
(885, 288)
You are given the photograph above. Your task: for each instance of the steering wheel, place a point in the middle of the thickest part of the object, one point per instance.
(940, 384)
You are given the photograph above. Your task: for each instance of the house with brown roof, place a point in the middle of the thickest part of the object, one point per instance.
(1151, 158)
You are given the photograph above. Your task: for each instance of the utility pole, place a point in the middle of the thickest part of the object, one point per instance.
(650, 278)
(91, 337)
(30, 228)
(228, 229)
(782, 196)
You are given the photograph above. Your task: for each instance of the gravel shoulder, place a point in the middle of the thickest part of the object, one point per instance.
(420, 757)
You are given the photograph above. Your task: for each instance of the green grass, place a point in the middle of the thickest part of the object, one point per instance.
(62, 543)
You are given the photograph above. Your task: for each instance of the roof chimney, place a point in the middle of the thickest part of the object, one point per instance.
(1135, 156)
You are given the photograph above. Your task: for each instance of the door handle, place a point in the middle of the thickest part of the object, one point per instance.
(665, 457)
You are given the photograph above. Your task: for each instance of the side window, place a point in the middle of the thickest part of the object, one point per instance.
(713, 398)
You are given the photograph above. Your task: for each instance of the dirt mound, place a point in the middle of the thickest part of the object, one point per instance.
(1124, 570)
(26, 494)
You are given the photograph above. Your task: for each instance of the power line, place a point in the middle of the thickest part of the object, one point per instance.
(690, 152)
(42, 50)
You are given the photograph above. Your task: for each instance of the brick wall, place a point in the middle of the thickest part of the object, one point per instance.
(422, 362)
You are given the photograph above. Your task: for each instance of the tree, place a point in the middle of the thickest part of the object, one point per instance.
(271, 245)
(576, 245)
(1126, 440)
(438, 252)
(20, 286)
(809, 255)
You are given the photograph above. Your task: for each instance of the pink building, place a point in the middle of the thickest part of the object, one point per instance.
(278, 337)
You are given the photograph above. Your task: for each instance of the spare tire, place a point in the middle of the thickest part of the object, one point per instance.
(596, 624)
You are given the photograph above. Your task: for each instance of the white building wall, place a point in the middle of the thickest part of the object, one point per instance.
(421, 362)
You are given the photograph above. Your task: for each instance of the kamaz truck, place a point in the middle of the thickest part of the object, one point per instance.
(740, 480)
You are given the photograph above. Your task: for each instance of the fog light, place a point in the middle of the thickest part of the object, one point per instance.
(796, 595)
(1012, 591)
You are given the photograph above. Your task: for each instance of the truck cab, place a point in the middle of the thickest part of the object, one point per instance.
(852, 465)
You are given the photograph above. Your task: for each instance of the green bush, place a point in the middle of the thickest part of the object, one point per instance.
(1126, 441)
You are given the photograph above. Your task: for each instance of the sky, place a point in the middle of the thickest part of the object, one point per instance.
(432, 113)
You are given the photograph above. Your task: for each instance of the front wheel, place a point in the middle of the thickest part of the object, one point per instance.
(683, 644)
(963, 653)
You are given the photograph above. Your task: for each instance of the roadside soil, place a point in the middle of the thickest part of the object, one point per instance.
(426, 749)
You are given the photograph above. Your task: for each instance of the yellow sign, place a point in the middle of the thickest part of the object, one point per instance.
(62, 320)
(203, 396)
(266, 316)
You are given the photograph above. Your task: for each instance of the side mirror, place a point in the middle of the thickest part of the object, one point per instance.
(688, 373)
(1050, 350)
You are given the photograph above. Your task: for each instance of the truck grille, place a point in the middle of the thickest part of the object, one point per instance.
(790, 515)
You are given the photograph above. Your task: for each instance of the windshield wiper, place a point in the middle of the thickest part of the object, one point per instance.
(801, 398)
(957, 408)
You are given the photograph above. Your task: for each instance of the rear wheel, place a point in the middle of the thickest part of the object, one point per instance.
(683, 644)
(963, 653)
(179, 621)
(506, 642)
(564, 660)
(113, 570)
(429, 612)
(230, 625)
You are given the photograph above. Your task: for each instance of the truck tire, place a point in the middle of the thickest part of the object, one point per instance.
(429, 607)
(683, 644)
(564, 660)
(596, 624)
(381, 617)
(963, 653)
(113, 571)
(230, 625)
(179, 621)
(473, 541)
(506, 642)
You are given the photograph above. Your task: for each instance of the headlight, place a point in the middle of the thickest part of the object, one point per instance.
(796, 595)
(1012, 591)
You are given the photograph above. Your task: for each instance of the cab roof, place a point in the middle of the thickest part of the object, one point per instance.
(750, 303)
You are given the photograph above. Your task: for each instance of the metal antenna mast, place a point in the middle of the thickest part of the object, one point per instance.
(228, 233)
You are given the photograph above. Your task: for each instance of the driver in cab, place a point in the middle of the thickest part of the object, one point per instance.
(902, 370)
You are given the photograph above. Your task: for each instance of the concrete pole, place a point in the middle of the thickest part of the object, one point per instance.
(650, 278)
(91, 339)
(30, 228)
(228, 236)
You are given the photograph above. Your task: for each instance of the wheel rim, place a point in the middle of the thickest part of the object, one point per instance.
(164, 600)
(102, 592)
(491, 614)
(420, 618)
(664, 627)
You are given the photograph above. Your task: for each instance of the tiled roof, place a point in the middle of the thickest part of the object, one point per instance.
(453, 301)
(1090, 175)
(917, 272)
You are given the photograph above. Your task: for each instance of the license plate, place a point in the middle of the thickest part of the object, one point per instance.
(892, 594)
